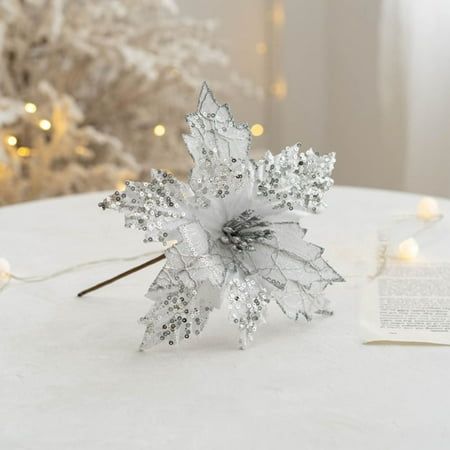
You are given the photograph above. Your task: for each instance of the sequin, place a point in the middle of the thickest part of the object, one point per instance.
(252, 258)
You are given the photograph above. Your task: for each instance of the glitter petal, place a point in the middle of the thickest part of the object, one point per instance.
(236, 242)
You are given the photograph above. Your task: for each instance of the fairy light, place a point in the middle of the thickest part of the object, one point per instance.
(159, 130)
(5, 272)
(278, 16)
(261, 48)
(257, 129)
(120, 186)
(81, 150)
(408, 250)
(279, 89)
(23, 152)
(30, 108)
(174, 72)
(428, 208)
(45, 124)
(11, 140)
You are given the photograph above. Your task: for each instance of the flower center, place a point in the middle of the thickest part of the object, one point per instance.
(242, 232)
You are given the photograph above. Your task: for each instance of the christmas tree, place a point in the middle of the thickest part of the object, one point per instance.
(93, 93)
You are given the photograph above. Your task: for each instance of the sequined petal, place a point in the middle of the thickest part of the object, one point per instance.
(297, 301)
(291, 264)
(185, 292)
(247, 304)
(219, 148)
(294, 180)
(157, 207)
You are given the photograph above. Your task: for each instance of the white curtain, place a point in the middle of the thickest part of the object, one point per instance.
(415, 89)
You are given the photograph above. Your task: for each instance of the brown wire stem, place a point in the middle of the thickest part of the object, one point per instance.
(122, 275)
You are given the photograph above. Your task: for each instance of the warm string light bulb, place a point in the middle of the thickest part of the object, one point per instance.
(427, 208)
(257, 129)
(278, 15)
(81, 150)
(23, 152)
(30, 108)
(279, 89)
(45, 124)
(159, 130)
(11, 140)
(408, 250)
(120, 186)
(261, 48)
(5, 272)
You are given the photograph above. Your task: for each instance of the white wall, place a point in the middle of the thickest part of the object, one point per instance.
(428, 87)
(241, 26)
(353, 85)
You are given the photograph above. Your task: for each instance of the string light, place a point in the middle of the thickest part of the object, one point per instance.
(261, 48)
(81, 150)
(278, 15)
(11, 140)
(279, 89)
(30, 108)
(120, 186)
(5, 272)
(45, 124)
(159, 130)
(174, 72)
(23, 152)
(408, 250)
(6, 275)
(257, 129)
(427, 208)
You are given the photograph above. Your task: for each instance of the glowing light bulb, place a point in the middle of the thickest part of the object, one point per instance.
(261, 48)
(45, 124)
(23, 152)
(257, 129)
(81, 150)
(278, 14)
(174, 72)
(11, 140)
(30, 108)
(5, 272)
(120, 186)
(279, 89)
(408, 250)
(427, 208)
(159, 130)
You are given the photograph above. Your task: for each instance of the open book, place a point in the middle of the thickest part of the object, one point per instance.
(408, 302)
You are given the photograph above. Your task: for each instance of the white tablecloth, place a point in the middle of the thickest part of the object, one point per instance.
(71, 376)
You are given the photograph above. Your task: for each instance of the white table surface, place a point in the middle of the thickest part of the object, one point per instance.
(71, 376)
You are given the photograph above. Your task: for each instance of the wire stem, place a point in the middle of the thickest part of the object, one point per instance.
(122, 275)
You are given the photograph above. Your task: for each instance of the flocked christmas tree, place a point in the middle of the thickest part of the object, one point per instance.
(87, 90)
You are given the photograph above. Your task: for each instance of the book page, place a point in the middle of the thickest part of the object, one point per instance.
(408, 302)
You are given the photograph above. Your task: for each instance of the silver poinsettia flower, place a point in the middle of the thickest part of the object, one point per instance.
(236, 228)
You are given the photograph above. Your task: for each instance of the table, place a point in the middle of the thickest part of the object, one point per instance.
(71, 376)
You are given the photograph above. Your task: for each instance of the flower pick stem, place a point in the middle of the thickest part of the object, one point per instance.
(122, 275)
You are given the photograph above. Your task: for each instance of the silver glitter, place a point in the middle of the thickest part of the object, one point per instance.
(237, 239)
